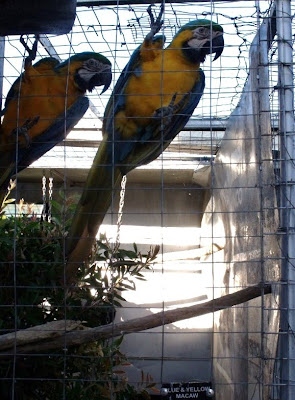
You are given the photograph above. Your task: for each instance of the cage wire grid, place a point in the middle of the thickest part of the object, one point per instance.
(178, 201)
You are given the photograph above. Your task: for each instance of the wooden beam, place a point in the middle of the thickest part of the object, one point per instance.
(2, 47)
(91, 3)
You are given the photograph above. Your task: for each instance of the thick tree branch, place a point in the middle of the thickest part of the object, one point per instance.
(78, 337)
(38, 333)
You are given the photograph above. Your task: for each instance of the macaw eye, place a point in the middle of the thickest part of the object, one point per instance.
(202, 30)
(91, 63)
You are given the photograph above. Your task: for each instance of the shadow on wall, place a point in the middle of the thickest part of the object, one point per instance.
(178, 352)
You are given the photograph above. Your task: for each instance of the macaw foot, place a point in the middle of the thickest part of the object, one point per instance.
(156, 24)
(166, 113)
(32, 52)
(23, 130)
(179, 106)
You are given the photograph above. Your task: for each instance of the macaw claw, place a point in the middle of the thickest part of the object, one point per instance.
(156, 24)
(166, 113)
(32, 52)
(23, 130)
(179, 106)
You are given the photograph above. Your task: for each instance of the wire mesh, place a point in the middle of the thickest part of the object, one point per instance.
(211, 201)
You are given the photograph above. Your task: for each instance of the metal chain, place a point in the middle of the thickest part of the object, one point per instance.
(50, 191)
(120, 212)
(44, 197)
(46, 211)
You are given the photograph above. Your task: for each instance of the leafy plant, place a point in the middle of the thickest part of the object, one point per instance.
(33, 292)
(6, 199)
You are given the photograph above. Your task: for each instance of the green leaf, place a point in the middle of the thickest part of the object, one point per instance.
(55, 206)
(118, 296)
(39, 260)
(102, 245)
(118, 341)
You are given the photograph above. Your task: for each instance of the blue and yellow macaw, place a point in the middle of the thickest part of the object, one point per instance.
(153, 99)
(43, 105)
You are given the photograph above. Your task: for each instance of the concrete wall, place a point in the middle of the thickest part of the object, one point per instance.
(242, 219)
(181, 351)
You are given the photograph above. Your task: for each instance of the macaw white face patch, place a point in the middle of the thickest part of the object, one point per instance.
(201, 32)
(90, 68)
(201, 35)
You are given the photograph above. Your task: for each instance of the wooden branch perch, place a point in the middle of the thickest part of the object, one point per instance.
(30, 342)
(38, 333)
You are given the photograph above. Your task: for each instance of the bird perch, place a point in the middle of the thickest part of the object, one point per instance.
(28, 340)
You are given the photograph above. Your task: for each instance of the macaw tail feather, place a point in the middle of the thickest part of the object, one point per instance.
(94, 203)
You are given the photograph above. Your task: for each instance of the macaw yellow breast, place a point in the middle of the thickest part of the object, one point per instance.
(160, 79)
(43, 93)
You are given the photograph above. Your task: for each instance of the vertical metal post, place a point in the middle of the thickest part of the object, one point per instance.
(287, 198)
(2, 46)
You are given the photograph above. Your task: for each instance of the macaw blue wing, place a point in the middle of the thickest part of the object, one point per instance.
(117, 100)
(181, 118)
(117, 103)
(155, 142)
(54, 134)
(44, 142)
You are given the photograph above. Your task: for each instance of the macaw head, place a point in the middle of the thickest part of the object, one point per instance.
(89, 70)
(199, 38)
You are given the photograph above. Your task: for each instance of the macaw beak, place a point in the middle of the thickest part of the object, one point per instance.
(106, 80)
(217, 46)
(101, 78)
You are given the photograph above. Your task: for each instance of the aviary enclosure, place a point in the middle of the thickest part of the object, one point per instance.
(147, 200)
